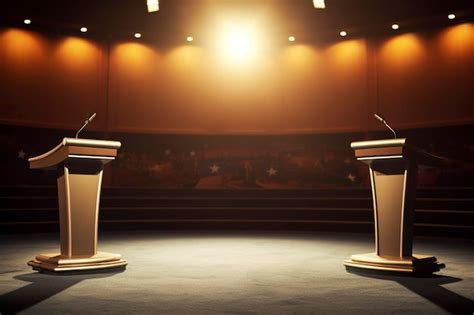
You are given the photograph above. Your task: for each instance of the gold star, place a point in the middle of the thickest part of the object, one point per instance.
(214, 168)
(21, 154)
(351, 177)
(272, 171)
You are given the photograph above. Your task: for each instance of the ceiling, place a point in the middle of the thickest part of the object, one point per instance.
(120, 18)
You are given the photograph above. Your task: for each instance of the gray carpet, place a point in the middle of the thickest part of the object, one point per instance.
(269, 273)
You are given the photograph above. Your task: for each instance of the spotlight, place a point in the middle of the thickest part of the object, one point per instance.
(343, 33)
(189, 39)
(395, 26)
(152, 5)
(27, 21)
(291, 38)
(319, 4)
(451, 16)
(83, 29)
(137, 35)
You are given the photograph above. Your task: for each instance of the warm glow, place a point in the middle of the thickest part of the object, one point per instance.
(291, 38)
(451, 16)
(237, 42)
(189, 38)
(137, 35)
(77, 53)
(27, 21)
(347, 54)
(343, 33)
(83, 29)
(456, 41)
(319, 4)
(301, 58)
(134, 57)
(395, 26)
(152, 5)
(402, 50)
(183, 58)
(22, 47)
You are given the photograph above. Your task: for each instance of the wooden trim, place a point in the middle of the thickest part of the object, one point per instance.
(92, 151)
(379, 151)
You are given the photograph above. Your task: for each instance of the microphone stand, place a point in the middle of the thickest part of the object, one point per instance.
(86, 122)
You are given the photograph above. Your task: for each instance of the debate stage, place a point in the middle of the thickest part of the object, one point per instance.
(234, 272)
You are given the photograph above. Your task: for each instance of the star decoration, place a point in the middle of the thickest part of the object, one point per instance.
(272, 171)
(21, 154)
(351, 177)
(214, 168)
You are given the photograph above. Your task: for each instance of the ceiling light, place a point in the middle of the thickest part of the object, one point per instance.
(137, 35)
(319, 4)
(83, 29)
(395, 26)
(451, 16)
(291, 38)
(152, 5)
(343, 33)
(189, 38)
(27, 21)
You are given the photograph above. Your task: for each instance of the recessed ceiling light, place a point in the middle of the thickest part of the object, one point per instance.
(343, 33)
(319, 4)
(152, 5)
(291, 38)
(137, 35)
(83, 29)
(395, 26)
(451, 16)
(27, 21)
(189, 39)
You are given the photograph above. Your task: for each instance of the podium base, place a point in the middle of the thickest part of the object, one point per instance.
(417, 264)
(56, 263)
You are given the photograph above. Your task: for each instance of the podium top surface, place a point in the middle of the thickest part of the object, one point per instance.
(384, 143)
(72, 147)
(368, 151)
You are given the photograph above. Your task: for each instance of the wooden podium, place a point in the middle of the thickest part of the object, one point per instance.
(80, 164)
(393, 169)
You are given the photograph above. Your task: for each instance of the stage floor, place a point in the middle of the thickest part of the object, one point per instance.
(224, 272)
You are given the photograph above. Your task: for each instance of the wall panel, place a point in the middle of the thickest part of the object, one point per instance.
(50, 82)
(413, 79)
(427, 80)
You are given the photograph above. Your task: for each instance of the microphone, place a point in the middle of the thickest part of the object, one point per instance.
(380, 118)
(86, 122)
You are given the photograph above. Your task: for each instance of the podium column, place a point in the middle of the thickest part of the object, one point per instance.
(79, 195)
(393, 187)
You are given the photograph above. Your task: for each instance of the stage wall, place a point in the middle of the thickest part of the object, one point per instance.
(414, 79)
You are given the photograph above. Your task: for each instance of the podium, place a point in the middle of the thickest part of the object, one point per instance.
(79, 163)
(393, 169)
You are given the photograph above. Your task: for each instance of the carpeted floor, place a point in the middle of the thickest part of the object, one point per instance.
(269, 273)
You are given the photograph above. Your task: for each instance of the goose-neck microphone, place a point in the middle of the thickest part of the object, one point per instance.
(382, 120)
(86, 122)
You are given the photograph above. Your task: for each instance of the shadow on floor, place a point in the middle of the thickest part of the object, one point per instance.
(42, 286)
(429, 287)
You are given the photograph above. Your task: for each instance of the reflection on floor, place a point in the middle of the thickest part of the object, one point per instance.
(235, 273)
